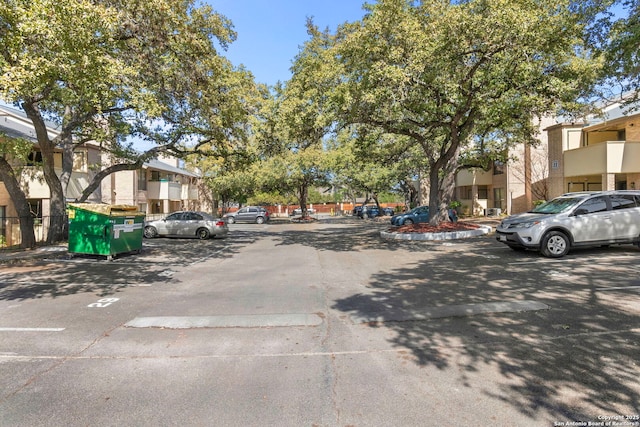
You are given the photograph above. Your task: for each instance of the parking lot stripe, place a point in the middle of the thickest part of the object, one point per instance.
(31, 329)
(462, 310)
(619, 288)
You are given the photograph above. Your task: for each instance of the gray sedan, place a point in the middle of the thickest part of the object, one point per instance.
(187, 224)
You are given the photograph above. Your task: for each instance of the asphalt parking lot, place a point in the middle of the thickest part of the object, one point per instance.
(321, 324)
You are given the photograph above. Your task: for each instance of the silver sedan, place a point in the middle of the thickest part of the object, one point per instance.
(187, 224)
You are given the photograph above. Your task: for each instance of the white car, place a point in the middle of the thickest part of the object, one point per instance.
(199, 225)
(298, 211)
(573, 220)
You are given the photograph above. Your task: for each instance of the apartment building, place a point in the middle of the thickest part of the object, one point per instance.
(159, 186)
(603, 154)
(509, 187)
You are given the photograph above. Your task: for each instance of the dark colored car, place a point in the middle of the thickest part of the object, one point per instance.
(186, 224)
(414, 216)
(388, 211)
(371, 211)
(256, 214)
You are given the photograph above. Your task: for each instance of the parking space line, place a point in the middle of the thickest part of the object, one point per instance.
(32, 329)
(208, 256)
(463, 310)
(570, 260)
(618, 288)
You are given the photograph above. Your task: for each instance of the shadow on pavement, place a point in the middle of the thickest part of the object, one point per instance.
(575, 361)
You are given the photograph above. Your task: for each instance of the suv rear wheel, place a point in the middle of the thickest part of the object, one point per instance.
(555, 244)
(259, 220)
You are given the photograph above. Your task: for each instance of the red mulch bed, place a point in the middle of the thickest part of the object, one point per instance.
(443, 227)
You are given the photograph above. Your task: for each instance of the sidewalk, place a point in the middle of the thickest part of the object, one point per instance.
(14, 255)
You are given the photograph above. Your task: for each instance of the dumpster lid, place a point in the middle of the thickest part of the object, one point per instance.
(111, 210)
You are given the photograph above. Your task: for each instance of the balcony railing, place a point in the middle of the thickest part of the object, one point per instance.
(164, 190)
(604, 157)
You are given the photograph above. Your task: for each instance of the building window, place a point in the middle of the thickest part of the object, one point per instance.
(498, 198)
(498, 167)
(34, 158)
(142, 179)
(483, 192)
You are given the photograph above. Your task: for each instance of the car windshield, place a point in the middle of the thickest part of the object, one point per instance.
(557, 205)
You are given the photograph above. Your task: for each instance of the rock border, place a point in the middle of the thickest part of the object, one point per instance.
(449, 235)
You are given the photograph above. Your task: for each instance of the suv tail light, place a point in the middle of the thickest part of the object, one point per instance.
(220, 223)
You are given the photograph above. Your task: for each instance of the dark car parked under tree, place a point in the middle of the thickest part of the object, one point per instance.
(256, 214)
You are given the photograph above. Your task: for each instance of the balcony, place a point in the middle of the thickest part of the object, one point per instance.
(470, 177)
(607, 157)
(164, 190)
(189, 192)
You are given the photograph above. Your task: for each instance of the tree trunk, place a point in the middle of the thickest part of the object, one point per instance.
(27, 233)
(442, 180)
(57, 217)
(303, 191)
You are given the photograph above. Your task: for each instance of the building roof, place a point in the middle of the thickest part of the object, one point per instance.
(157, 164)
(15, 124)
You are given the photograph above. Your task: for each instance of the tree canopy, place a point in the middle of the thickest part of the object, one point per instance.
(439, 72)
(115, 71)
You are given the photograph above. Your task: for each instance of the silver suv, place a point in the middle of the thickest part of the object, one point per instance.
(573, 220)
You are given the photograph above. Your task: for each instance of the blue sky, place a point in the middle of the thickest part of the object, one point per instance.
(270, 32)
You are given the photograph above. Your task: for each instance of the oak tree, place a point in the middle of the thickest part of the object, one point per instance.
(439, 71)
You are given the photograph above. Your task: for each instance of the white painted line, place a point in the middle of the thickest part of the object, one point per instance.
(463, 310)
(228, 321)
(618, 288)
(537, 261)
(31, 329)
(73, 284)
(554, 273)
(197, 261)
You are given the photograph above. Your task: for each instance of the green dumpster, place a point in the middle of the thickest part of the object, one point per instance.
(98, 229)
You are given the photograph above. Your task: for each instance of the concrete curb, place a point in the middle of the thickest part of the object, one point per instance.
(483, 229)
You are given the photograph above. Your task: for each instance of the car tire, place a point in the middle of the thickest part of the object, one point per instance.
(203, 233)
(407, 221)
(231, 220)
(555, 244)
(150, 232)
(260, 220)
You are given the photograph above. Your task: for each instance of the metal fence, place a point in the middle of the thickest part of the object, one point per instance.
(11, 237)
